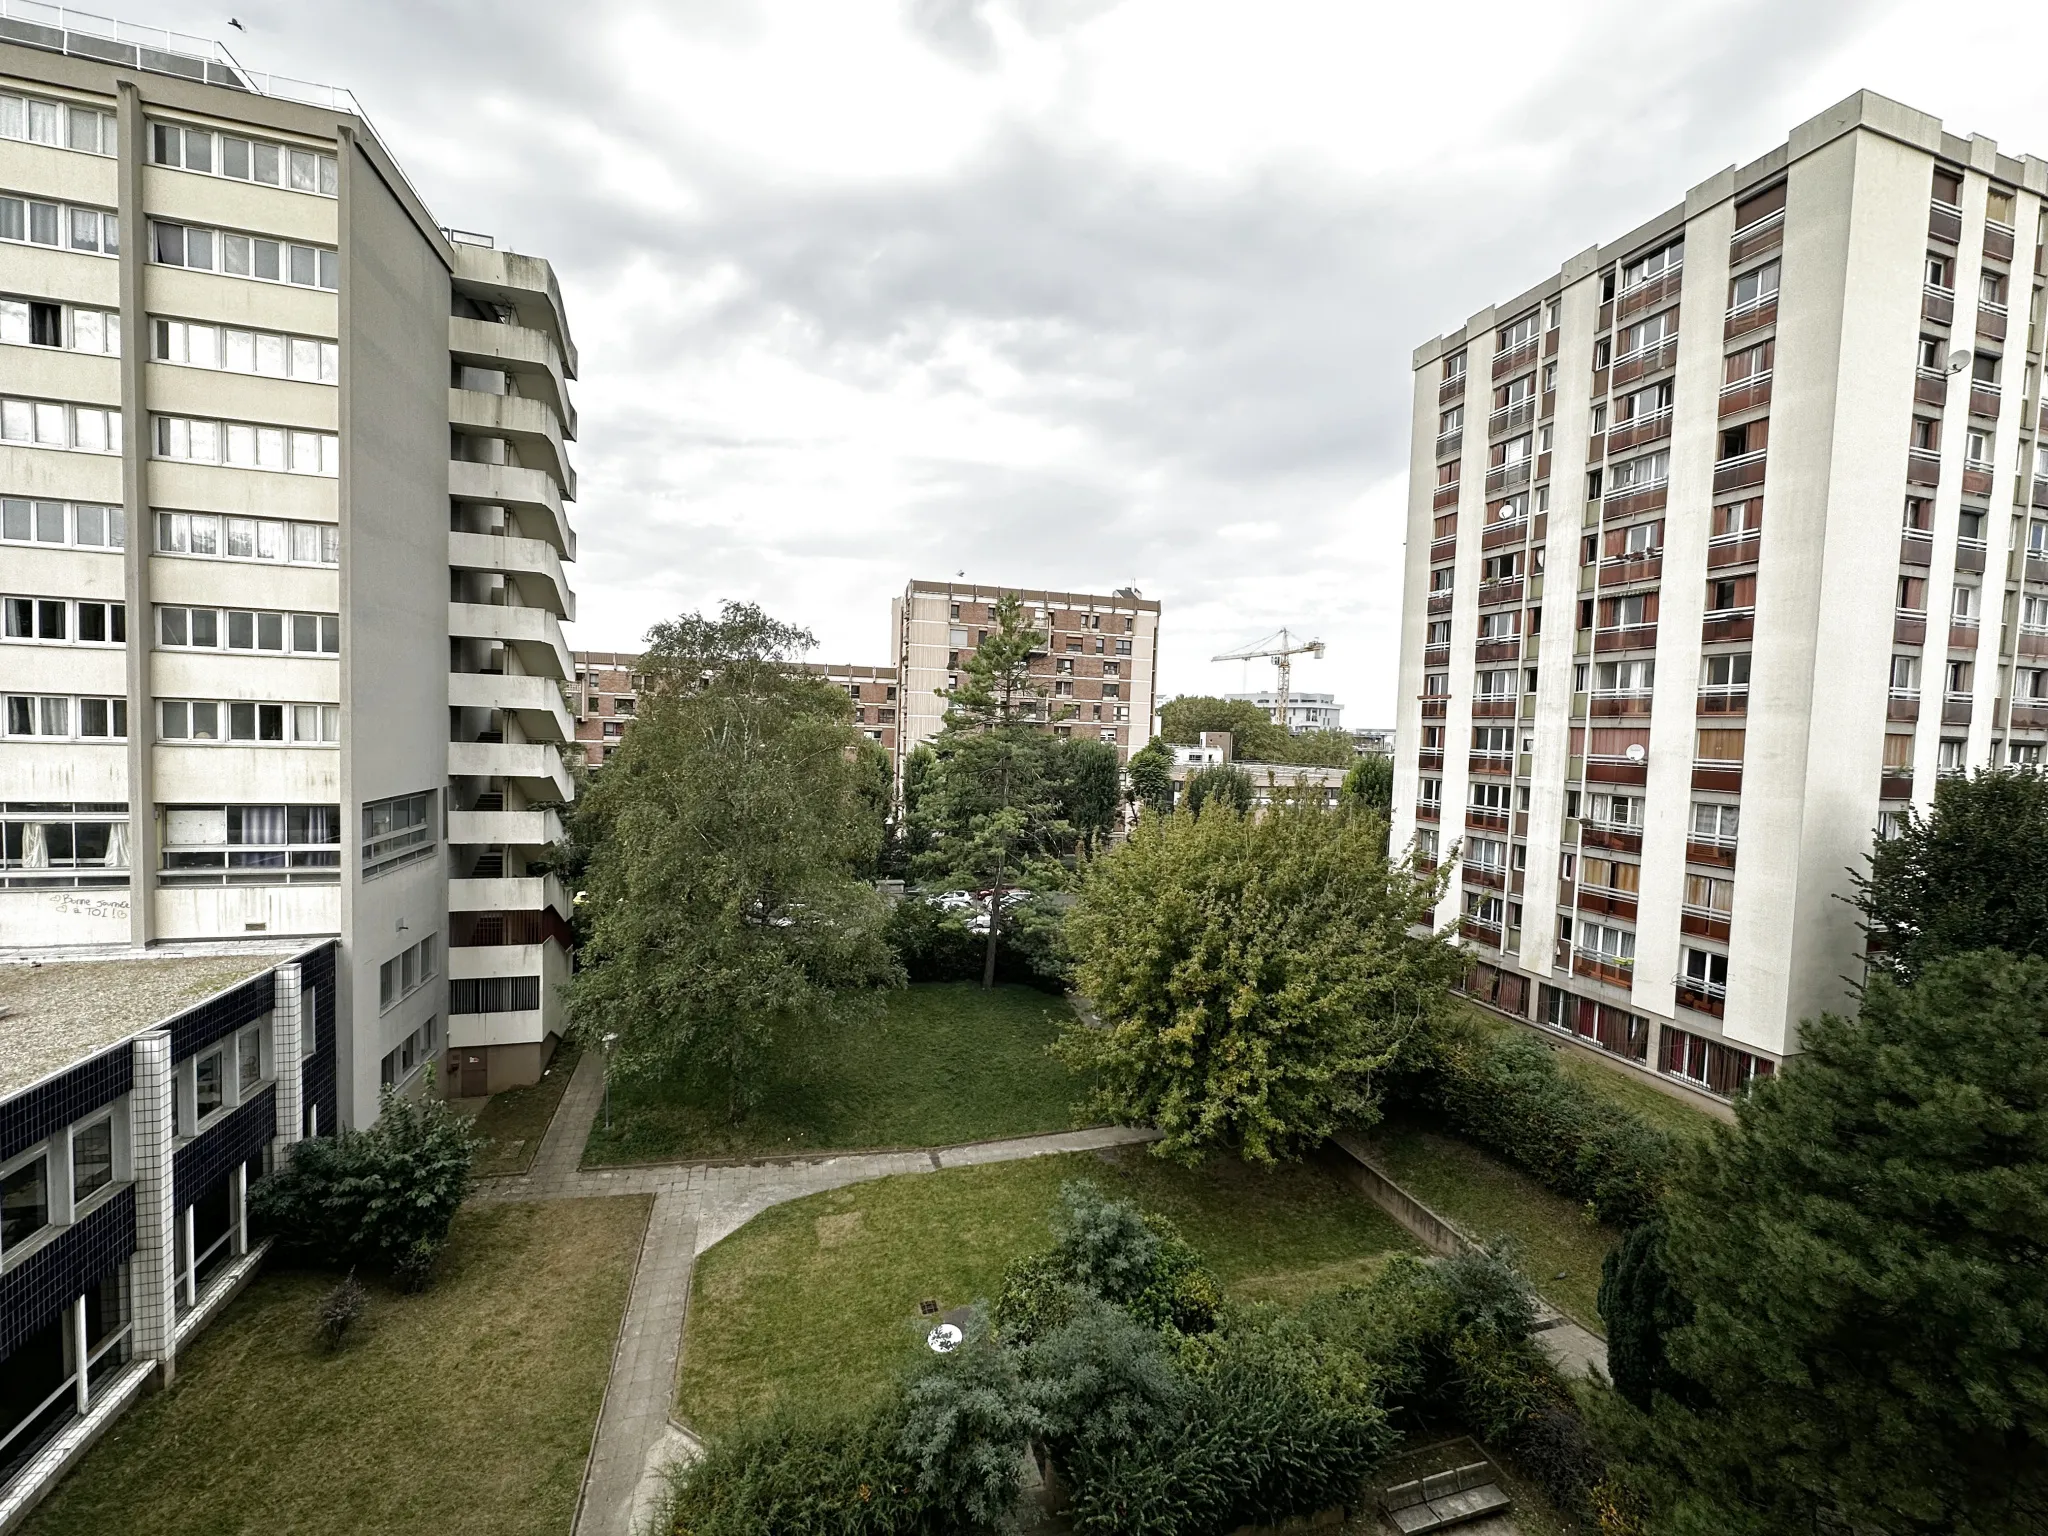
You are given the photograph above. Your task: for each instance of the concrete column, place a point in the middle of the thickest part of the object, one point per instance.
(239, 1185)
(80, 1350)
(189, 1275)
(154, 1267)
(287, 1059)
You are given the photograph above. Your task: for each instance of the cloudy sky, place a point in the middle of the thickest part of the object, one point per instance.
(1066, 293)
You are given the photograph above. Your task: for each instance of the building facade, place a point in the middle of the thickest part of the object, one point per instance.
(1723, 545)
(282, 491)
(1100, 664)
(1305, 711)
(608, 690)
(129, 1136)
(872, 693)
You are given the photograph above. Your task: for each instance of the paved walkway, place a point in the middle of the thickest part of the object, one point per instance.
(695, 1204)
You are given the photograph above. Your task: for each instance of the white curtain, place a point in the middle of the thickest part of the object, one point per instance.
(35, 847)
(117, 846)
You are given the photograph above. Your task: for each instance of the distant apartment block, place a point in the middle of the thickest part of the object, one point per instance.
(1724, 543)
(872, 693)
(283, 539)
(1305, 711)
(1100, 664)
(609, 689)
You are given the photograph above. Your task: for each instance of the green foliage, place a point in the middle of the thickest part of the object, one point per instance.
(1640, 1308)
(1097, 1380)
(1256, 978)
(1963, 877)
(1134, 1260)
(1369, 786)
(1086, 786)
(805, 1472)
(934, 943)
(1254, 736)
(340, 1310)
(966, 1424)
(725, 900)
(1321, 749)
(1503, 1090)
(1150, 772)
(1866, 1254)
(382, 1197)
(1220, 786)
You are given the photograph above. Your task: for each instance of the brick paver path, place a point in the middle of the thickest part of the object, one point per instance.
(695, 1204)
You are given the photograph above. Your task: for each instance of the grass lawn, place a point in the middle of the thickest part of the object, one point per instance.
(820, 1296)
(514, 1121)
(468, 1409)
(948, 1063)
(1487, 1197)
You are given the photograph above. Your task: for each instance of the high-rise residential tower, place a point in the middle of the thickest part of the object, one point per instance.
(282, 532)
(1723, 545)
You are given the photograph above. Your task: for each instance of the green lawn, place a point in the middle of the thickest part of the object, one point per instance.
(468, 1409)
(1489, 1198)
(513, 1122)
(820, 1297)
(947, 1063)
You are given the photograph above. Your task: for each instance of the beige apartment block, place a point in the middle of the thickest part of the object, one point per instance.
(1100, 663)
(282, 545)
(1724, 543)
(608, 691)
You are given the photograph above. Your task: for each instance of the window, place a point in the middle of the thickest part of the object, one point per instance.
(494, 994)
(1629, 612)
(1963, 607)
(1648, 335)
(1759, 206)
(209, 1084)
(1501, 567)
(305, 358)
(1998, 207)
(1991, 291)
(245, 722)
(60, 125)
(1496, 684)
(1492, 626)
(405, 973)
(1447, 474)
(1728, 595)
(270, 261)
(239, 630)
(262, 844)
(60, 619)
(64, 717)
(24, 1201)
(1737, 442)
(1624, 677)
(1609, 810)
(36, 323)
(397, 831)
(55, 424)
(1604, 941)
(1486, 853)
(64, 844)
(1738, 519)
(1719, 746)
(1749, 365)
(1919, 514)
(2034, 615)
(1725, 671)
(1709, 893)
(1514, 392)
(84, 525)
(1941, 271)
(1705, 971)
(1715, 824)
(1656, 264)
(1607, 874)
(1754, 289)
(1518, 333)
(60, 226)
(1454, 366)
(1493, 740)
(213, 537)
(1913, 594)
(1643, 404)
(1441, 577)
(1482, 908)
(1905, 683)
(247, 446)
(1958, 677)
(1451, 421)
(239, 159)
(92, 1159)
(1970, 529)
(1639, 474)
(1951, 756)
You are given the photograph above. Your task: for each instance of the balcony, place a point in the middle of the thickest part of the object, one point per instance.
(1499, 535)
(1909, 628)
(1640, 365)
(1930, 387)
(1647, 428)
(1607, 903)
(1507, 477)
(1923, 467)
(1991, 321)
(1740, 472)
(1493, 593)
(1451, 389)
(1429, 810)
(1945, 222)
(499, 829)
(1746, 394)
(528, 355)
(1902, 704)
(530, 492)
(1429, 761)
(1938, 305)
(1629, 637)
(1499, 765)
(1963, 634)
(1956, 708)
(1621, 505)
(1998, 241)
(1615, 972)
(1441, 550)
(1485, 820)
(1485, 877)
(1765, 234)
(1753, 316)
(1435, 708)
(1440, 602)
(1709, 998)
(1717, 776)
(1723, 700)
(524, 284)
(1514, 358)
(532, 632)
(1478, 932)
(1626, 570)
(535, 766)
(1445, 495)
(1617, 770)
(537, 702)
(1916, 548)
(1976, 479)
(1497, 650)
(1985, 399)
(1644, 297)
(1970, 555)
(1715, 853)
(1511, 418)
(2029, 714)
(531, 565)
(509, 893)
(1739, 548)
(529, 425)
(1494, 707)
(1700, 923)
(1895, 784)
(1447, 442)
(1436, 656)
(1632, 704)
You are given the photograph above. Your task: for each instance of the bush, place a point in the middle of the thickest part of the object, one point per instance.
(965, 1428)
(341, 1309)
(1504, 1091)
(1218, 785)
(935, 944)
(1108, 1248)
(804, 1472)
(383, 1197)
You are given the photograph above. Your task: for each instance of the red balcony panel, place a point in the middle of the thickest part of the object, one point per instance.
(1916, 549)
(1713, 855)
(1937, 306)
(1485, 879)
(1620, 707)
(1434, 709)
(1497, 650)
(1443, 550)
(1969, 557)
(1735, 474)
(1945, 223)
(1644, 364)
(1997, 243)
(1644, 297)
(1622, 573)
(1451, 389)
(1513, 359)
(1723, 701)
(1602, 904)
(1607, 837)
(1616, 508)
(1479, 933)
(1699, 1000)
(1436, 656)
(1493, 594)
(1955, 711)
(2029, 716)
(1895, 786)
(1507, 478)
(1613, 972)
(1931, 388)
(1511, 418)
(1637, 637)
(1617, 773)
(1486, 765)
(1499, 535)
(1445, 496)
(1984, 402)
(1742, 551)
(2030, 644)
(1702, 925)
(1991, 324)
(1751, 320)
(1486, 821)
(1720, 780)
(1962, 637)
(1429, 761)
(1902, 709)
(1428, 811)
(1493, 709)
(1440, 602)
(1756, 242)
(1734, 626)
(1907, 631)
(1976, 482)
(1633, 434)
(1745, 397)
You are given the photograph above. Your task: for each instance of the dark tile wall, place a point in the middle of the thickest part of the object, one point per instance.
(55, 1102)
(316, 969)
(200, 1026)
(199, 1164)
(44, 1283)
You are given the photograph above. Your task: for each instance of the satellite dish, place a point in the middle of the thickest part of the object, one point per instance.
(1959, 360)
(1635, 752)
(1506, 512)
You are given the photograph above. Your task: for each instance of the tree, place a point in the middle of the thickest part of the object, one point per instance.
(1866, 1256)
(1320, 749)
(1219, 784)
(1369, 786)
(725, 902)
(1256, 977)
(1255, 737)
(991, 803)
(1963, 876)
(1150, 772)
(1087, 786)
(1641, 1307)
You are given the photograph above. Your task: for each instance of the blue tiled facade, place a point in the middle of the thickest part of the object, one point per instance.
(57, 1101)
(199, 1164)
(316, 971)
(38, 1288)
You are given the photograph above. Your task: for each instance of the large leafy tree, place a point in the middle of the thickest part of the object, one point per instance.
(1964, 876)
(1255, 976)
(1865, 1255)
(1255, 737)
(1369, 786)
(1151, 776)
(991, 805)
(725, 901)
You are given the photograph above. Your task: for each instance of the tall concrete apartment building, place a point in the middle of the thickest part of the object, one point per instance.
(282, 540)
(1724, 542)
(1102, 658)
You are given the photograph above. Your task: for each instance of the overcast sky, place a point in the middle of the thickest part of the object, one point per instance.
(1066, 293)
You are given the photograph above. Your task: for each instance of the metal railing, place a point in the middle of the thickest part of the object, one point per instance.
(69, 1384)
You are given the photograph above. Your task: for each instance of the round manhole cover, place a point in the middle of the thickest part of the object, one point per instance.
(944, 1339)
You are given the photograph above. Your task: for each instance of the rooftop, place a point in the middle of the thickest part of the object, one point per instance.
(54, 1013)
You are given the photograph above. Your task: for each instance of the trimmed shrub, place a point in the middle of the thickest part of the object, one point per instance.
(1504, 1091)
(1108, 1248)
(383, 1197)
(965, 1427)
(804, 1472)
(341, 1309)
(1641, 1306)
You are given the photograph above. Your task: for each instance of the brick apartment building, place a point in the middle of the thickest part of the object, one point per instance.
(608, 690)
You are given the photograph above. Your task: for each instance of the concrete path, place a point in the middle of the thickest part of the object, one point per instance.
(696, 1204)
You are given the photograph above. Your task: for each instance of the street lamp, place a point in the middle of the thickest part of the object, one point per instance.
(609, 1041)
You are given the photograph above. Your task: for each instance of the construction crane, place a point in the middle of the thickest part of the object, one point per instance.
(1282, 648)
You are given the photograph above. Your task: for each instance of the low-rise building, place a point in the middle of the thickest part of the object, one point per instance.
(1305, 711)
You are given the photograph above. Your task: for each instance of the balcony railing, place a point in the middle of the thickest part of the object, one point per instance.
(1507, 477)
(1447, 442)
(1746, 394)
(1728, 624)
(1451, 389)
(1510, 417)
(1738, 548)
(1998, 241)
(1646, 428)
(1916, 548)
(1724, 699)
(1945, 222)
(1990, 320)
(1751, 315)
(1756, 237)
(1930, 387)
(1923, 467)
(1648, 360)
(1938, 305)
(1744, 469)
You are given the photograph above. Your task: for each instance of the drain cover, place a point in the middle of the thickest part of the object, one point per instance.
(927, 1307)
